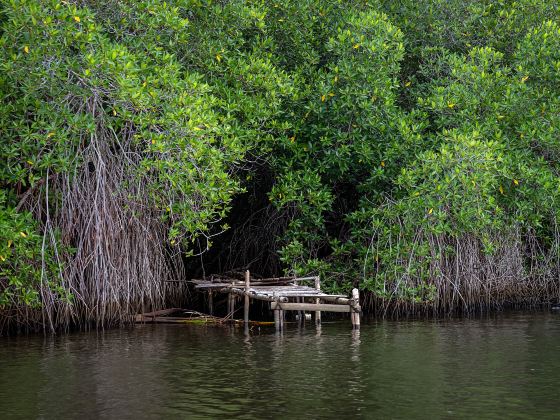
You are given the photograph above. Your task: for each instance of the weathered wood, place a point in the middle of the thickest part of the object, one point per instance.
(277, 319)
(305, 278)
(317, 300)
(289, 291)
(276, 316)
(300, 313)
(257, 296)
(163, 320)
(288, 288)
(161, 312)
(170, 319)
(196, 320)
(199, 283)
(231, 303)
(212, 285)
(285, 294)
(310, 307)
(246, 306)
(336, 299)
(224, 282)
(279, 279)
(355, 308)
(211, 302)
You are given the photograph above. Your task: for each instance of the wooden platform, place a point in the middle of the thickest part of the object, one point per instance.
(284, 294)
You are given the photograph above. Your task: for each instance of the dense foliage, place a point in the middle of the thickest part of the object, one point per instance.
(409, 147)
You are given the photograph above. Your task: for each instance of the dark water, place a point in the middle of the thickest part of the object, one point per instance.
(504, 366)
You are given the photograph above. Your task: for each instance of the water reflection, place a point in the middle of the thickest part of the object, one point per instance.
(355, 345)
(468, 368)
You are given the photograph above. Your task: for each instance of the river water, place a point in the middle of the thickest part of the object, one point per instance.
(492, 367)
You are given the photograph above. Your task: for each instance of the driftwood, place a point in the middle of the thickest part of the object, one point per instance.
(195, 318)
(154, 314)
(162, 312)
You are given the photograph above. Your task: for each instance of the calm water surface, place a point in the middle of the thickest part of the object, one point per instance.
(503, 366)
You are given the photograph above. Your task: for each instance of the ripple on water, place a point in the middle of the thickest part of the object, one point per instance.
(505, 365)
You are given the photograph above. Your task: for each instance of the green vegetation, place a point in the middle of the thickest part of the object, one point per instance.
(409, 148)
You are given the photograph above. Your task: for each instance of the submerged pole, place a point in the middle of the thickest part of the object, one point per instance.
(247, 302)
(231, 303)
(317, 300)
(210, 302)
(276, 314)
(277, 319)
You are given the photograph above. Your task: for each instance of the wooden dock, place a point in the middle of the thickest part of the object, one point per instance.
(284, 294)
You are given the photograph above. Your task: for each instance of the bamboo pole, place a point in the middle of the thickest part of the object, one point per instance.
(317, 300)
(247, 287)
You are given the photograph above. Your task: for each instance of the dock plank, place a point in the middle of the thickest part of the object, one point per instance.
(325, 307)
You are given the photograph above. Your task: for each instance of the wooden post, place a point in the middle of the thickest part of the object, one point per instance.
(231, 303)
(276, 316)
(246, 307)
(277, 319)
(291, 306)
(210, 302)
(355, 308)
(317, 300)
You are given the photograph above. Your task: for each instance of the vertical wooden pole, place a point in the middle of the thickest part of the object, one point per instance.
(246, 307)
(281, 317)
(231, 303)
(317, 300)
(276, 315)
(355, 308)
(277, 319)
(210, 302)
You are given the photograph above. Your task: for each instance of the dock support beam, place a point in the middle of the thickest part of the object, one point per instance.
(279, 319)
(317, 300)
(231, 303)
(246, 307)
(210, 302)
(278, 314)
(355, 309)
